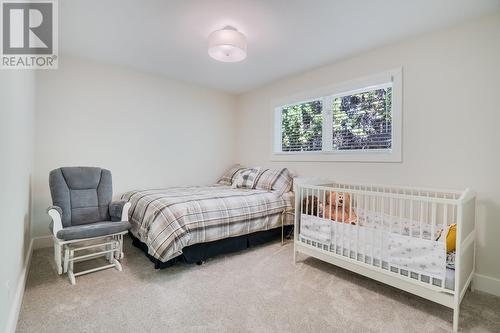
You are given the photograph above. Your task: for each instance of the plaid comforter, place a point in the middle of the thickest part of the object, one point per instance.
(167, 220)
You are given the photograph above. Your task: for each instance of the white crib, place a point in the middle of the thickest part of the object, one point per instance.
(392, 236)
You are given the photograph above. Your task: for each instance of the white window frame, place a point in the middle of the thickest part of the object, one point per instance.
(327, 94)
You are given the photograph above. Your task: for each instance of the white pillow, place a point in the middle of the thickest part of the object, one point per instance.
(230, 175)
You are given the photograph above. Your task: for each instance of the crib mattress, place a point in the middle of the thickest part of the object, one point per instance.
(448, 275)
(410, 249)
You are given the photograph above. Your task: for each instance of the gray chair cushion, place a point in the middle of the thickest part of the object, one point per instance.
(83, 193)
(91, 230)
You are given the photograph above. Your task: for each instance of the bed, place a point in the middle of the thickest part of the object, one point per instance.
(189, 222)
(418, 240)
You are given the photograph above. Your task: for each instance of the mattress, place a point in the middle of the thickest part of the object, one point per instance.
(168, 220)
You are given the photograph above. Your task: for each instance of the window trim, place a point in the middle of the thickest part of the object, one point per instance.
(327, 94)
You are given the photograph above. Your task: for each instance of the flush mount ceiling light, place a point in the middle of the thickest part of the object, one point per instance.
(227, 45)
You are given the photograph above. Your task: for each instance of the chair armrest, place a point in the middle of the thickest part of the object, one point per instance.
(118, 210)
(55, 213)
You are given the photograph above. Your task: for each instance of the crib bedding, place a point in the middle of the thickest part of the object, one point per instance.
(400, 225)
(449, 274)
(378, 237)
(448, 277)
(167, 220)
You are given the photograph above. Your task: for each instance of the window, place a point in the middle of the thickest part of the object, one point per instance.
(302, 125)
(356, 121)
(363, 120)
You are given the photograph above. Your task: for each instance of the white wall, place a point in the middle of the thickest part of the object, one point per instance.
(451, 112)
(149, 131)
(17, 93)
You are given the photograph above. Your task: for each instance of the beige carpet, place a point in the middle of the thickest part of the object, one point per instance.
(258, 290)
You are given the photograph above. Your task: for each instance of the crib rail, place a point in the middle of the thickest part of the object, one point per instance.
(443, 197)
(420, 191)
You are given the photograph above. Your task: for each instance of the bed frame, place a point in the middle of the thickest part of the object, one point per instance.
(198, 253)
(440, 207)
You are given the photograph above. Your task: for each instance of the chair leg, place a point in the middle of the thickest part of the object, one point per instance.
(110, 255)
(57, 257)
(121, 246)
(71, 275)
(118, 266)
(66, 259)
(118, 254)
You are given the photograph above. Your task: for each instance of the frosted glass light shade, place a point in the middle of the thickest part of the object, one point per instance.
(227, 45)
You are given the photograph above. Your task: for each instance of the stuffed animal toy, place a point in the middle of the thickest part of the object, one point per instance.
(451, 237)
(340, 206)
(311, 205)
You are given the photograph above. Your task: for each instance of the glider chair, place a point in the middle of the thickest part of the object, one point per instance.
(85, 223)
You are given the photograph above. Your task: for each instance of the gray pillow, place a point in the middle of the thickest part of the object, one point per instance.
(246, 178)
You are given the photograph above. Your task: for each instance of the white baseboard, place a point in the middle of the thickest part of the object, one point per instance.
(486, 284)
(15, 309)
(42, 242)
(35, 243)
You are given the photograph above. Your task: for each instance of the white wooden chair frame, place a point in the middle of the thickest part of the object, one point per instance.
(64, 251)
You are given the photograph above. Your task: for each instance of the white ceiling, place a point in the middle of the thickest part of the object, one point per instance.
(284, 36)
